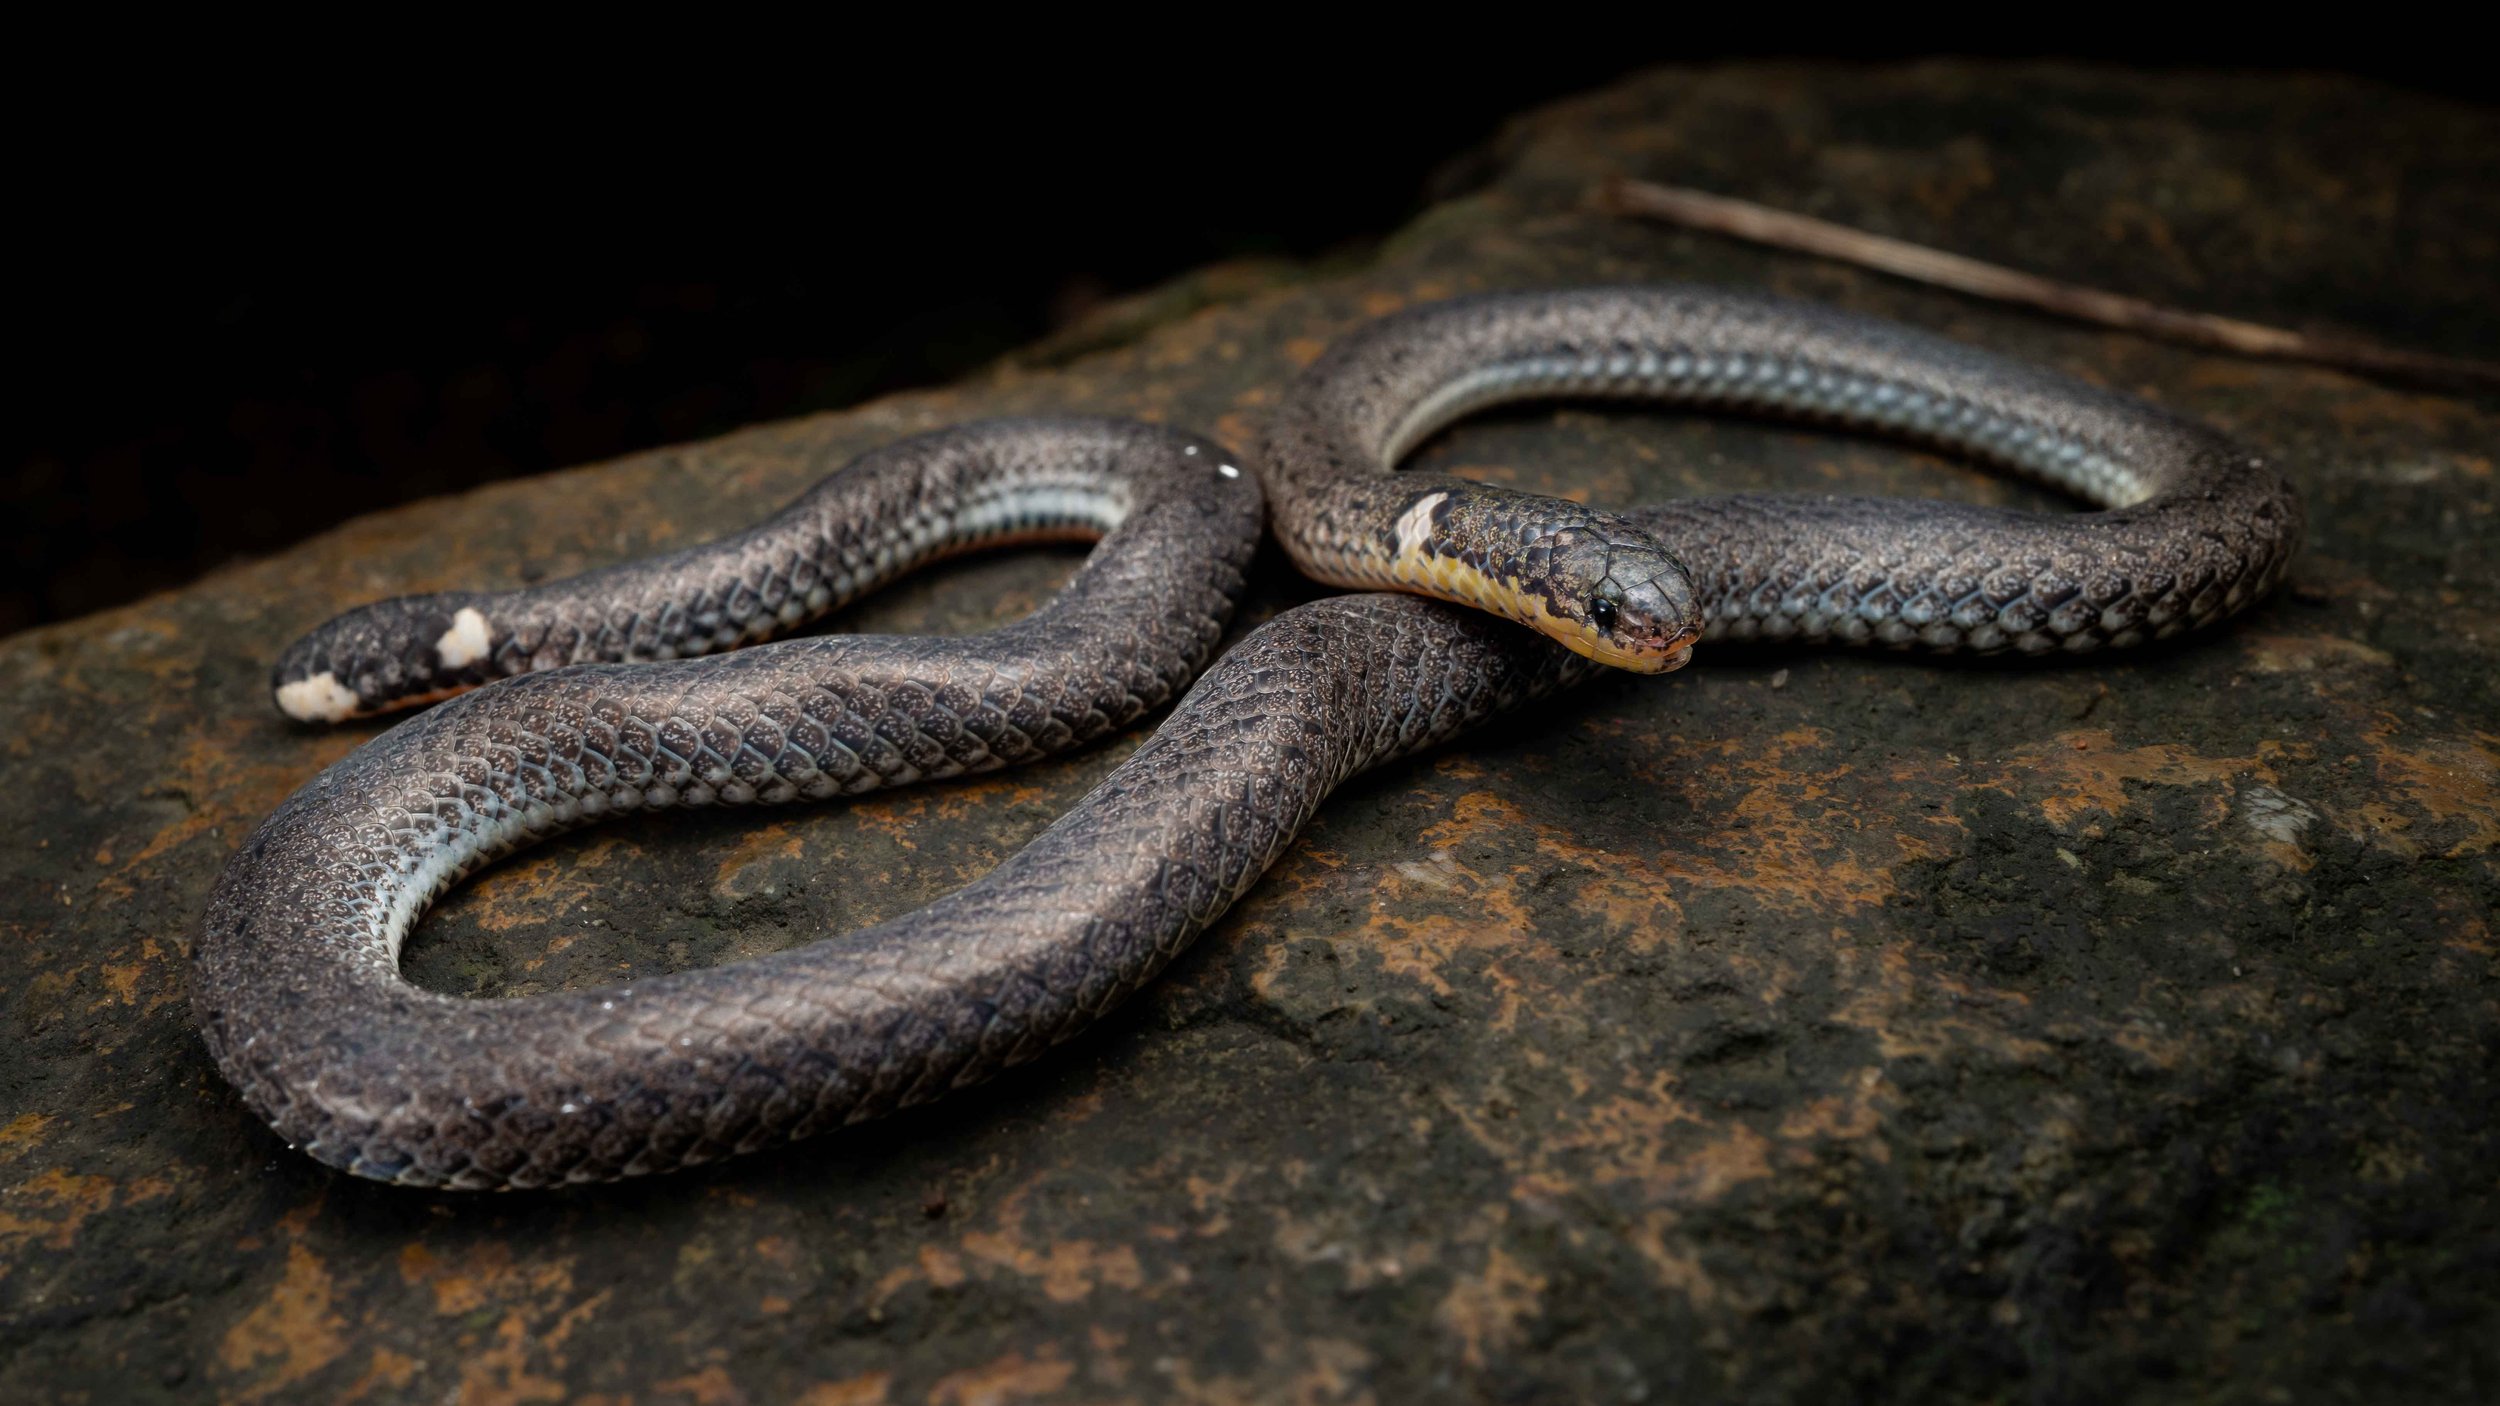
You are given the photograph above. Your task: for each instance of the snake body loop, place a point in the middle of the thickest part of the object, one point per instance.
(886, 513)
(2195, 526)
(297, 988)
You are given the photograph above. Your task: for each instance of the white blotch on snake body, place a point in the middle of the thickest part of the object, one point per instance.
(466, 641)
(319, 699)
(1416, 524)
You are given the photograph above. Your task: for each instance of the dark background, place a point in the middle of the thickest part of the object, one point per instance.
(263, 304)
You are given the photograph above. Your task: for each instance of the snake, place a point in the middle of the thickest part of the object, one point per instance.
(598, 709)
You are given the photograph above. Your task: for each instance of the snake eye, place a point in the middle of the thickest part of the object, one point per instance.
(1602, 614)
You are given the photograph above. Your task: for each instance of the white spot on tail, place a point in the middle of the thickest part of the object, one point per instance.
(319, 699)
(465, 642)
(1415, 524)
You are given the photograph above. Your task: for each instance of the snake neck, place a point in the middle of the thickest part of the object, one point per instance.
(1595, 582)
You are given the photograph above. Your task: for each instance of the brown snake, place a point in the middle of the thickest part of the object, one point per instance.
(297, 987)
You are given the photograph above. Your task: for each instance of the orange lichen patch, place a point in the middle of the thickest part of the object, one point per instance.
(778, 1251)
(1491, 921)
(227, 792)
(866, 1389)
(2382, 825)
(2249, 1001)
(50, 1208)
(1336, 1372)
(1184, 1381)
(1484, 1310)
(1894, 991)
(2300, 654)
(1179, 346)
(1644, 1138)
(765, 842)
(1210, 1198)
(388, 1371)
(943, 1269)
(545, 885)
(1805, 840)
(215, 770)
(2466, 927)
(1014, 1377)
(1068, 1269)
(123, 980)
(1675, 1265)
(2075, 773)
(1629, 1130)
(523, 1359)
(1381, 303)
(500, 1370)
(2154, 1048)
(1791, 853)
(151, 969)
(932, 1262)
(1624, 1151)
(712, 1386)
(1628, 894)
(1435, 915)
(289, 1335)
(1421, 948)
(904, 818)
(483, 1276)
(1342, 1239)
(1850, 1117)
(2453, 781)
(1307, 870)
(22, 1134)
(893, 1279)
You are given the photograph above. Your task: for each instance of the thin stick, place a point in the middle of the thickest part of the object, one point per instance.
(1742, 219)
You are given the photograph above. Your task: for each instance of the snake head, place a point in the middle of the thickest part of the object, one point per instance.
(1611, 591)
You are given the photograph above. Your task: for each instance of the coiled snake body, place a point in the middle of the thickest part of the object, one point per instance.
(296, 983)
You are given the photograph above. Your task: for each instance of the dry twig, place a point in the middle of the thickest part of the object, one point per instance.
(1742, 219)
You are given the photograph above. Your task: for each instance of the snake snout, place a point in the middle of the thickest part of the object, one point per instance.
(1623, 599)
(1661, 616)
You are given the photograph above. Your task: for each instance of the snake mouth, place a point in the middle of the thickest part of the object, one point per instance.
(1645, 658)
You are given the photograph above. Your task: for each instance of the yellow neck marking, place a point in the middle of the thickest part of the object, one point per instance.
(1453, 580)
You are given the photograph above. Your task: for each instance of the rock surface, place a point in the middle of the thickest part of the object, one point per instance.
(1802, 1025)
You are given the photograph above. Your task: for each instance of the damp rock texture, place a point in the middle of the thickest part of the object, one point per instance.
(1800, 1026)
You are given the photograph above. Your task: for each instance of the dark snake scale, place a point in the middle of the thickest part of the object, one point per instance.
(296, 982)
